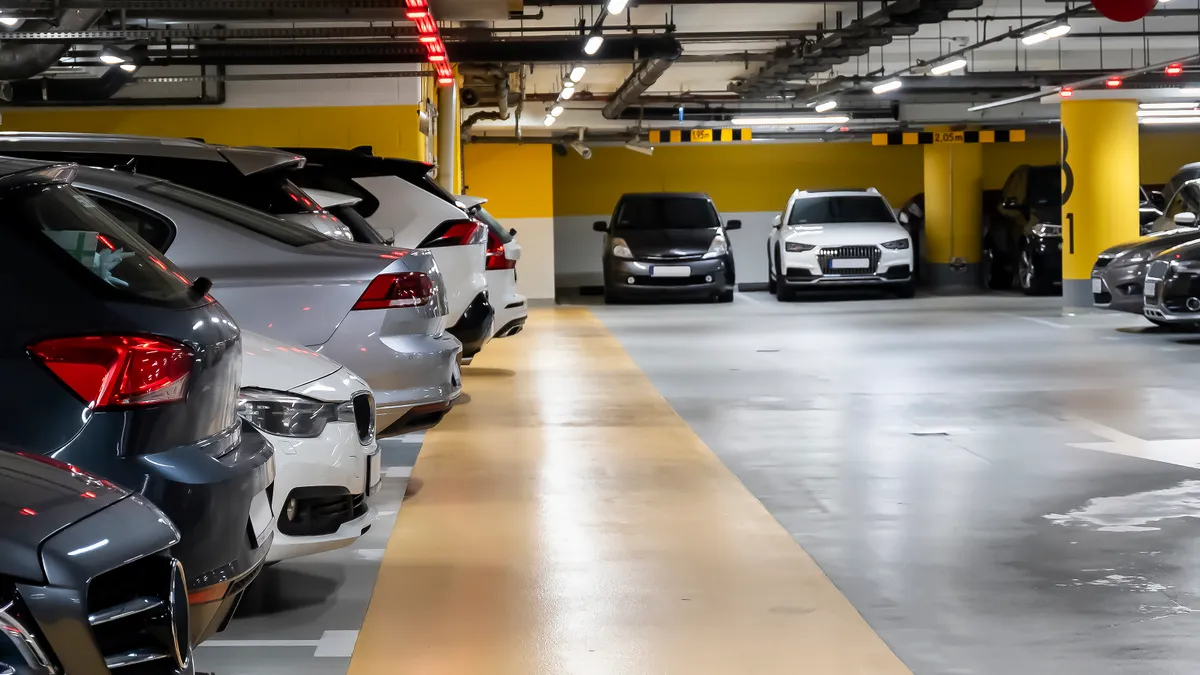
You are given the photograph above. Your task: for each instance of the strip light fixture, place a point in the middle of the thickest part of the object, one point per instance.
(948, 67)
(418, 12)
(1048, 34)
(791, 120)
(885, 87)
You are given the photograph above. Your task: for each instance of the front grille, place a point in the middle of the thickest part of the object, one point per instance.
(364, 417)
(319, 511)
(827, 255)
(139, 617)
(672, 258)
(694, 280)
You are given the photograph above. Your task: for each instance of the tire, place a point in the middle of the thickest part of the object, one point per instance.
(1028, 279)
(772, 277)
(782, 292)
(726, 295)
(907, 290)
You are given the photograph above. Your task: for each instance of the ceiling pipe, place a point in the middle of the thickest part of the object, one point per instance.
(23, 61)
(644, 75)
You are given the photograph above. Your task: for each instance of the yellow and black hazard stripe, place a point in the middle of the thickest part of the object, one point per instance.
(698, 135)
(954, 137)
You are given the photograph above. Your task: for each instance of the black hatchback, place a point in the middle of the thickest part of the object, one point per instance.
(113, 361)
(667, 244)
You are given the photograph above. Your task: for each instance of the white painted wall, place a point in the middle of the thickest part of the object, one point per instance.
(578, 250)
(535, 270)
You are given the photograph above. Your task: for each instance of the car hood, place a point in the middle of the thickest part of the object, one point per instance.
(1185, 251)
(844, 234)
(41, 497)
(1154, 243)
(270, 364)
(668, 242)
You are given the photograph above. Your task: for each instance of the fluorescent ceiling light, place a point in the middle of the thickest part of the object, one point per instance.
(616, 6)
(111, 59)
(567, 92)
(826, 106)
(1059, 31)
(129, 67)
(1048, 34)
(1168, 113)
(549, 120)
(593, 44)
(9, 21)
(794, 120)
(949, 67)
(1170, 105)
(577, 73)
(885, 87)
(1171, 120)
(556, 111)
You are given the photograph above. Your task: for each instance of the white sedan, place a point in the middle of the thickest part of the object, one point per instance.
(321, 419)
(828, 238)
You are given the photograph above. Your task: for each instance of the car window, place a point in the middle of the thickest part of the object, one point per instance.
(1186, 200)
(845, 209)
(1045, 186)
(361, 229)
(102, 245)
(494, 225)
(265, 224)
(666, 213)
(156, 230)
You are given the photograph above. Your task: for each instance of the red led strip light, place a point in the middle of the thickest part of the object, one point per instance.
(418, 12)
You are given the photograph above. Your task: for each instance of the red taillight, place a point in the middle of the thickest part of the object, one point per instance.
(406, 289)
(456, 233)
(495, 254)
(114, 370)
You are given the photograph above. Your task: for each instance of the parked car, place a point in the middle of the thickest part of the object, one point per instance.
(1186, 173)
(912, 218)
(379, 311)
(837, 238)
(1150, 206)
(88, 584)
(1022, 237)
(503, 252)
(130, 370)
(1172, 287)
(1184, 204)
(667, 244)
(407, 208)
(1118, 277)
(321, 419)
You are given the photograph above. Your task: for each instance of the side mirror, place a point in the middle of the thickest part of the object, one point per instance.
(1185, 218)
(776, 221)
(733, 225)
(387, 234)
(512, 231)
(600, 226)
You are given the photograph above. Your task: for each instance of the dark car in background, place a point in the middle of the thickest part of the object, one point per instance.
(912, 218)
(1119, 273)
(129, 370)
(88, 582)
(1022, 236)
(667, 244)
(1172, 287)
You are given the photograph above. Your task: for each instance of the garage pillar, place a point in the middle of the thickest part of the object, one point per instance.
(953, 239)
(447, 137)
(1100, 187)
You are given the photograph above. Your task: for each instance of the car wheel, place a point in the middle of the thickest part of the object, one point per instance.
(726, 295)
(780, 289)
(1030, 280)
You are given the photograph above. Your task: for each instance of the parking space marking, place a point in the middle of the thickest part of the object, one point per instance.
(336, 644)
(1044, 322)
(260, 643)
(1177, 451)
(372, 554)
(398, 472)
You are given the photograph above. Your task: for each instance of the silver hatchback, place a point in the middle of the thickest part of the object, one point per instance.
(377, 310)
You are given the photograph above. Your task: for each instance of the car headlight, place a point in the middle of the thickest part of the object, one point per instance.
(1133, 258)
(797, 247)
(620, 249)
(897, 245)
(1047, 230)
(717, 248)
(284, 414)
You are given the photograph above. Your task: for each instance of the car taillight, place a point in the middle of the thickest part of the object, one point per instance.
(459, 232)
(405, 289)
(495, 254)
(116, 370)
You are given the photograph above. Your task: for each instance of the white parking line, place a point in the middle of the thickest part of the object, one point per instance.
(260, 643)
(398, 472)
(1178, 451)
(333, 644)
(1044, 322)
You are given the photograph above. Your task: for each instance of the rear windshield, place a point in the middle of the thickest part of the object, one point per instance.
(666, 213)
(362, 230)
(494, 225)
(280, 230)
(99, 243)
(824, 210)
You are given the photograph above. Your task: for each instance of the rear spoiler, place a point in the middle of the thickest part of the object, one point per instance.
(252, 160)
(357, 163)
(328, 200)
(52, 174)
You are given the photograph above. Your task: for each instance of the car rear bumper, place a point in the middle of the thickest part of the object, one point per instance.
(404, 371)
(475, 326)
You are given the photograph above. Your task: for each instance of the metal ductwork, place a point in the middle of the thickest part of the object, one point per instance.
(23, 61)
(644, 75)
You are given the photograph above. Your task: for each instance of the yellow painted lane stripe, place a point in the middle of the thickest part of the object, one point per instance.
(568, 522)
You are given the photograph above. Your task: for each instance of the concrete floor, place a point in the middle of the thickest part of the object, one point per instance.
(996, 487)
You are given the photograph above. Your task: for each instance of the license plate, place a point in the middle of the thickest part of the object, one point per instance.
(1151, 287)
(670, 271)
(1097, 285)
(261, 516)
(850, 263)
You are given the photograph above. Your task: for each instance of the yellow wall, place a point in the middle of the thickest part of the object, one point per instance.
(739, 177)
(392, 130)
(517, 180)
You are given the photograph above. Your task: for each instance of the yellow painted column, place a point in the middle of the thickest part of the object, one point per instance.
(1100, 187)
(953, 212)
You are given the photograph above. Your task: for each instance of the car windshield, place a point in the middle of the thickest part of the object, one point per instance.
(845, 209)
(265, 224)
(1045, 186)
(666, 213)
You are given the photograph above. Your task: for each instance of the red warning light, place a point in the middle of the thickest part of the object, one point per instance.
(1067, 92)
(88, 495)
(1113, 82)
(1174, 69)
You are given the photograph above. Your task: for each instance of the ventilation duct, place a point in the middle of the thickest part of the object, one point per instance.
(23, 61)
(641, 79)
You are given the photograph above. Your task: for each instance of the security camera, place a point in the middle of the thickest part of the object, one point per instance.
(641, 146)
(583, 150)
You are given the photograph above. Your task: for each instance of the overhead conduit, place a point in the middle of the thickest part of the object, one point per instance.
(23, 61)
(644, 75)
